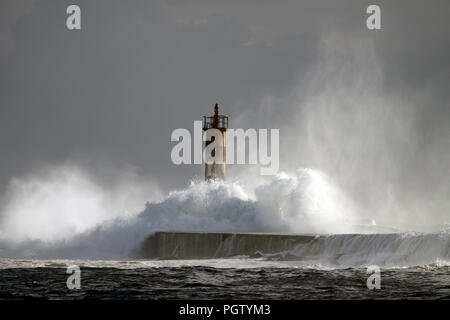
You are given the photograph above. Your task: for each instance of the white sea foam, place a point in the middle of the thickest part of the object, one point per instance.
(386, 250)
(304, 202)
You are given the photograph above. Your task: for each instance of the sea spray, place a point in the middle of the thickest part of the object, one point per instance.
(306, 201)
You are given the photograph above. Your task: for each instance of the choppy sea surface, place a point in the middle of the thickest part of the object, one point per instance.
(235, 278)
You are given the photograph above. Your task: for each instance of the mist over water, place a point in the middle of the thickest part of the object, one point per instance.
(387, 148)
(51, 221)
(59, 202)
(306, 201)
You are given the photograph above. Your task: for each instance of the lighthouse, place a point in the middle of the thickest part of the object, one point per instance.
(219, 122)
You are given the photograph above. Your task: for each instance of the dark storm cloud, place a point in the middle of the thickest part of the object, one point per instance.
(112, 93)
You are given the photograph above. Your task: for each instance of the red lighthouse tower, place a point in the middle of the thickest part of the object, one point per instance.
(219, 122)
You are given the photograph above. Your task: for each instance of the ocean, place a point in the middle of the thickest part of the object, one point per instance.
(234, 278)
(291, 238)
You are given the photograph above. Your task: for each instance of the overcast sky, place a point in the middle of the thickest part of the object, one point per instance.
(108, 97)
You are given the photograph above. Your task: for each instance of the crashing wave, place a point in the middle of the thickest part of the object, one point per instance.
(304, 202)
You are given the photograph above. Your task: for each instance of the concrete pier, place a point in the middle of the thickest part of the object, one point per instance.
(208, 245)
